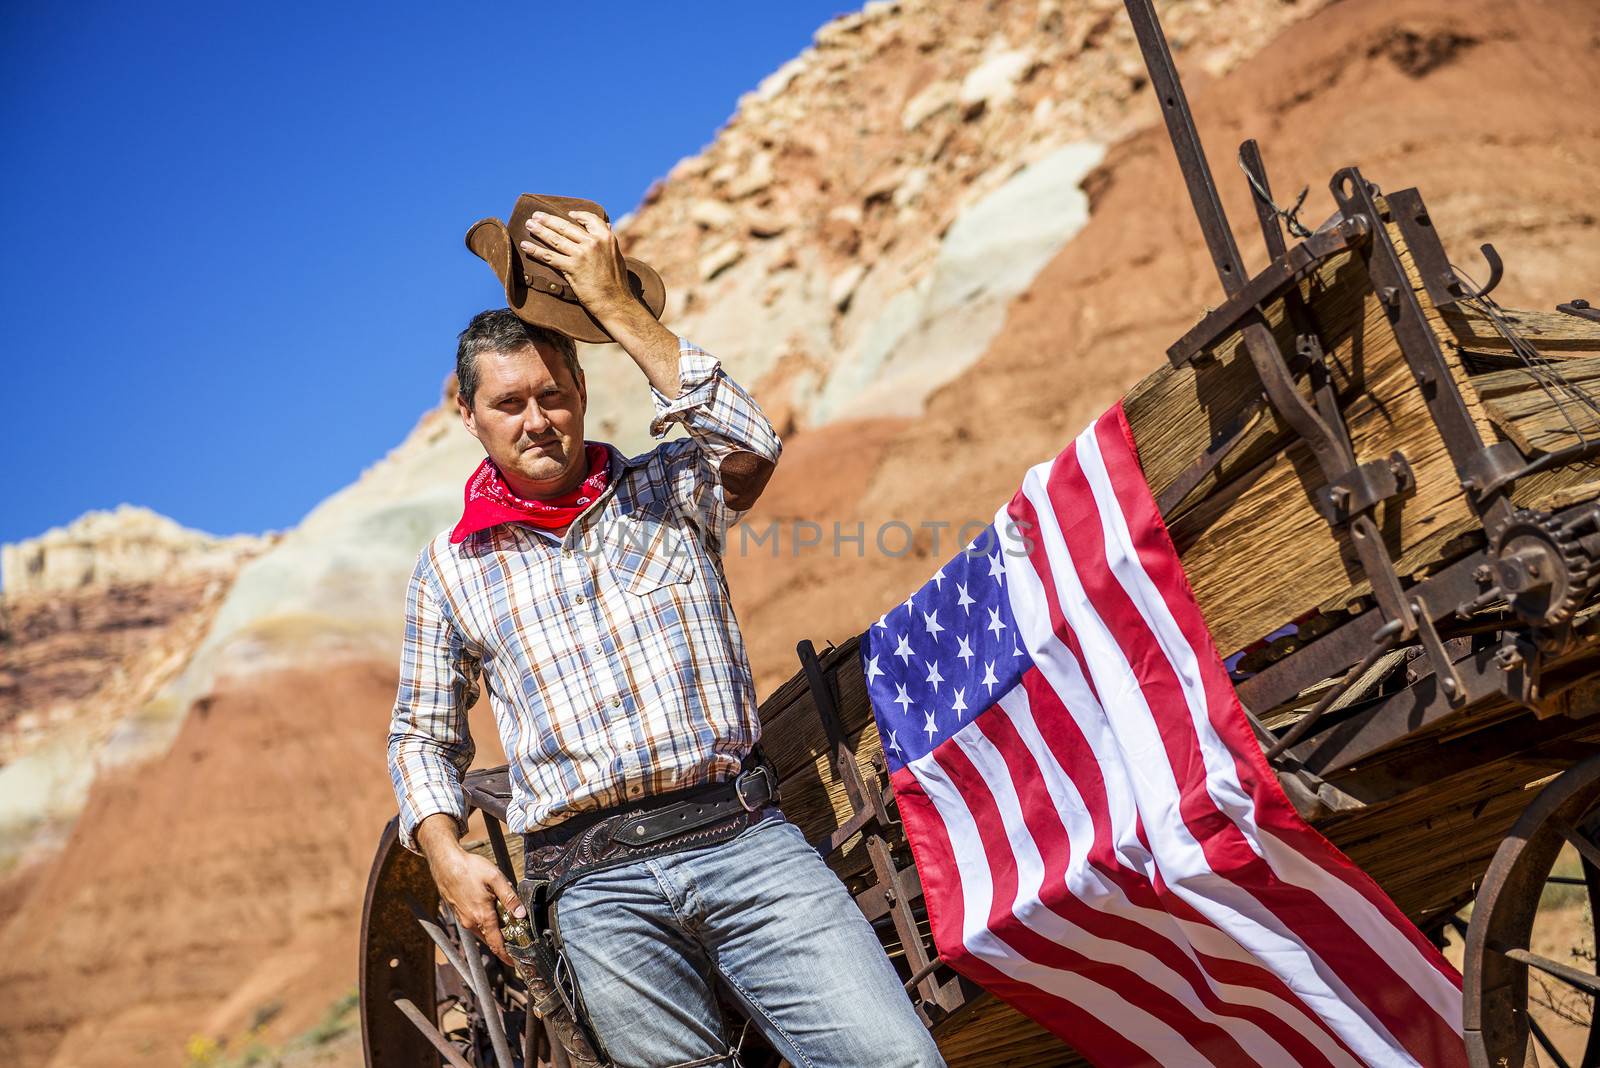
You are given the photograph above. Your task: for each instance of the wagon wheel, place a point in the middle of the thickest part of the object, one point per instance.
(429, 991)
(1502, 969)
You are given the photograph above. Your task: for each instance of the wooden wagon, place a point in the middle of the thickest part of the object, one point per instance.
(1421, 661)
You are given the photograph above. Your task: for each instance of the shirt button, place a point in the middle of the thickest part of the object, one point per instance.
(578, 599)
(616, 702)
(635, 790)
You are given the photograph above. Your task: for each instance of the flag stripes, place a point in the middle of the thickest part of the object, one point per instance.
(1101, 842)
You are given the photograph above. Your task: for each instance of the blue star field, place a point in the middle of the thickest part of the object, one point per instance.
(945, 654)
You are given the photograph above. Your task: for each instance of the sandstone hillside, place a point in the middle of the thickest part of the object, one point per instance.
(96, 617)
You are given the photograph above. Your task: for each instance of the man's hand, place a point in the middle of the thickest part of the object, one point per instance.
(586, 253)
(469, 884)
(590, 259)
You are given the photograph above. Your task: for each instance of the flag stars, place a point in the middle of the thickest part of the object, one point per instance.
(938, 579)
(873, 670)
(995, 625)
(961, 703)
(903, 650)
(964, 602)
(988, 677)
(894, 745)
(965, 651)
(934, 678)
(930, 621)
(929, 727)
(997, 570)
(901, 699)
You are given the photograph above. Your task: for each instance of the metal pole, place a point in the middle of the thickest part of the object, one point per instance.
(431, 1033)
(1186, 142)
(486, 1002)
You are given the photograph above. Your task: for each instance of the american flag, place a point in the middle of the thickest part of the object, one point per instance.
(1100, 840)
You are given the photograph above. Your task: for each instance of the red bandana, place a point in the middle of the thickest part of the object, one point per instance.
(490, 502)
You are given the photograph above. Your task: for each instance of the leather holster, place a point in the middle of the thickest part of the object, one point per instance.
(535, 946)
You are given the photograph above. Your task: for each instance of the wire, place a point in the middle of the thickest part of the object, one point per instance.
(1291, 218)
(1561, 391)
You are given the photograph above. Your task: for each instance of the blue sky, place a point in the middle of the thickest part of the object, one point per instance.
(233, 269)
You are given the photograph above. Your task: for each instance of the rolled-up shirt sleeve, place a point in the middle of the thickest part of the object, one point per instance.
(735, 447)
(430, 744)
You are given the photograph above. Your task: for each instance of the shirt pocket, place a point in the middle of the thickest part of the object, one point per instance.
(647, 550)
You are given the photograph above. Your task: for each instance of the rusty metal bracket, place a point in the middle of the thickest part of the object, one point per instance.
(1581, 308)
(1279, 277)
(1222, 444)
(1336, 462)
(1450, 684)
(1443, 283)
(1453, 589)
(1362, 487)
(1478, 466)
(1478, 676)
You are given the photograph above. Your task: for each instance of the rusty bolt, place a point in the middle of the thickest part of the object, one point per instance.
(1482, 574)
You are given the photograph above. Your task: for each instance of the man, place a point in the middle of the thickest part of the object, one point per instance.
(600, 623)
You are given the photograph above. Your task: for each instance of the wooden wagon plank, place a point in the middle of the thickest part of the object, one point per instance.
(1538, 416)
(1555, 334)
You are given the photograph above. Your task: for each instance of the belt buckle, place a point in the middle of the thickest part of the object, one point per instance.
(738, 786)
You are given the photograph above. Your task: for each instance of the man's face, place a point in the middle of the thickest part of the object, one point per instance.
(528, 414)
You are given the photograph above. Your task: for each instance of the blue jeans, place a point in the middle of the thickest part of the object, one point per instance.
(764, 915)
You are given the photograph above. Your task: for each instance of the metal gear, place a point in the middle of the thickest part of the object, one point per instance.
(1540, 566)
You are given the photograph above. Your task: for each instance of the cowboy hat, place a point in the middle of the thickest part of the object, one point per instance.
(539, 294)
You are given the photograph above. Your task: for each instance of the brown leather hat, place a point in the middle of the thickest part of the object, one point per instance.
(539, 294)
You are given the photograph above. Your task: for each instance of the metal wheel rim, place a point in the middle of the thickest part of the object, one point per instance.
(1497, 1026)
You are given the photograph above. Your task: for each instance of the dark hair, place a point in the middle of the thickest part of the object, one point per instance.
(499, 330)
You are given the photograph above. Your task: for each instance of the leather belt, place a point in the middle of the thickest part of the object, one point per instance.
(750, 792)
(683, 819)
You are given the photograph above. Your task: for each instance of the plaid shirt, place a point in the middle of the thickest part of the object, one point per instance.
(614, 664)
